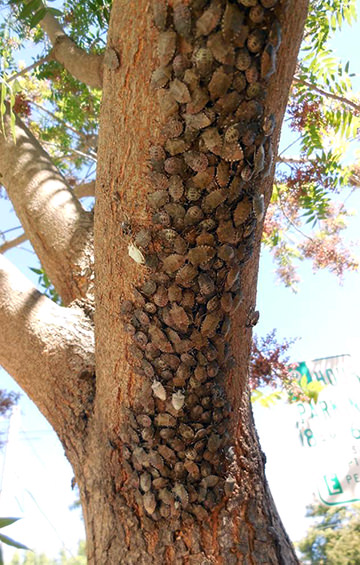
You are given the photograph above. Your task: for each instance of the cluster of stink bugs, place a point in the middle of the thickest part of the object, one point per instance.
(215, 59)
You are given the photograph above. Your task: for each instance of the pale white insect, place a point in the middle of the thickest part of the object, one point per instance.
(177, 400)
(259, 206)
(158, 390)
(135, 254)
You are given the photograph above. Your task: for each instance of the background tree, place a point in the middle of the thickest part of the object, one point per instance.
(34, 559)
(334, 537)
(162, 440)
(7, 401)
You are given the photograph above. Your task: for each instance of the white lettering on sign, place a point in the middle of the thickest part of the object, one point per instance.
(331, 428)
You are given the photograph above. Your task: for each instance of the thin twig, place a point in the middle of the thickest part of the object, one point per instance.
(60, 120)
(327, 94)
(71, 150)
(290, 160)
(85, 189)
(90, 171)
(342, 207)
(10, 229)
(29, 68)
(12, 243)
(288, 147)
(288, 219)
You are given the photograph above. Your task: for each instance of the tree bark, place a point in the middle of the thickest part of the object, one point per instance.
(59, 229)
(50, 352)
(164, 448)
(12, 243)
(85, 189)
(230, 526)
(86, 67)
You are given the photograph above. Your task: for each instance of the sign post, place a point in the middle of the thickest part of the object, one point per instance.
(331, 428)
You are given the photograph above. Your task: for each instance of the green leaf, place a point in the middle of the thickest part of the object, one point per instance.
(12, 124)
(47, 283)
(2, 106)
(304, 382)
(54, 12)
(37, 271)
(256, 395)
(38, 17)
(7, 521)
(13, 543)
(29, 8)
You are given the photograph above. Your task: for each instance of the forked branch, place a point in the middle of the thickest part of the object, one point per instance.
(49, 350)
(326, 94)
(52, 217)
(86, 67)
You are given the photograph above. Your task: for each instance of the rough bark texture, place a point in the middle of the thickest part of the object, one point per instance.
(243, 527)
(144, 504)
(86, 67)
(59, 229)
(86, 189)
(49, 350)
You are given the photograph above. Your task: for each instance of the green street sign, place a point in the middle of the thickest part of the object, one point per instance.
(330, 429)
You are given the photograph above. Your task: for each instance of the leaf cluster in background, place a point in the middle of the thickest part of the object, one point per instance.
(33, 11)
(7, 402)
(4, 522)
(334, 539)
(320, 114)
(47, 286)
(60, 111)
(31, 558)
(269, 372)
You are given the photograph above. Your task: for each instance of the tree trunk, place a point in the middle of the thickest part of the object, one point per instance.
(159, 483)
(168, 461)
(243, 527)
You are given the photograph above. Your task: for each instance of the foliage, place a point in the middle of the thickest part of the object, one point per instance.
(6, 91)
(268, 364)
(269, 371)
(35, 559)
(302, 221)
(304, 391)
(60, 111)
(45, 283)
(4, 522)
(334, 539)
(7, 401)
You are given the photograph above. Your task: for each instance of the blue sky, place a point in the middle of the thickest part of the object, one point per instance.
(323, 314)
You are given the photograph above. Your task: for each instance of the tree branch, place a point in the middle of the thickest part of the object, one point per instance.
(60, 120)
(86, 67)
(85, 189)
(29, 68)
(72, 150)
(281, 206)
(292, 160)
(328, 94)
(52, 217)
(49, 350)
(13, 243)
